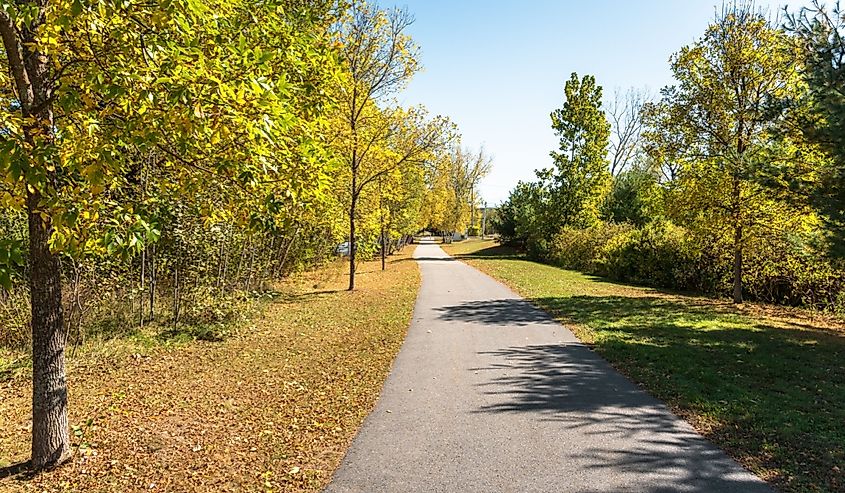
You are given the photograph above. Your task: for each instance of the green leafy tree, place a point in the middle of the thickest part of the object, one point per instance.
(521, 221)
(726, 108)
(96, 89)
(634, 197)
(580, 178)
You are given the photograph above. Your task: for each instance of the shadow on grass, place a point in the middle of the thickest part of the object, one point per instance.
(773, 396)
(292, 298)
(495, 252)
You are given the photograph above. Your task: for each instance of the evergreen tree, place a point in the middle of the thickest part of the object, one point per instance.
(822, 33)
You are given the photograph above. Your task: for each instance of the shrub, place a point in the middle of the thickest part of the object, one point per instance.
(581, 249)
(793, 270)
(784, 269)
(658, 254)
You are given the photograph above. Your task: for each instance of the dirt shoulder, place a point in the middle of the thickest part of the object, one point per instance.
(272, 409)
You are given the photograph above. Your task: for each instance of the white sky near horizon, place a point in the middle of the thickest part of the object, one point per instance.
(497, 68)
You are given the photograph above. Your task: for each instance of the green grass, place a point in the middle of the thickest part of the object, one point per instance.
(766, 384)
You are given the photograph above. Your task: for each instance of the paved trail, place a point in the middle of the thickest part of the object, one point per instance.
(489, 394)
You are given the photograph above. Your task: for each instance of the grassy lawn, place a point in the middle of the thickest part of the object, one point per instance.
(765, 383)
(271, 409)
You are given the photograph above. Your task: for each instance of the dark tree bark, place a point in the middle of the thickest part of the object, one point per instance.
(50, 437)
(353, 245)
(353, 203)
(143, 279)
(176, 295)
(737, 267)
(152, 282)
(284, 259)
(383, 247)
(738, 264)
(381, 223)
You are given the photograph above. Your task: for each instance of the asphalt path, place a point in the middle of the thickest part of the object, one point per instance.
(489, 394)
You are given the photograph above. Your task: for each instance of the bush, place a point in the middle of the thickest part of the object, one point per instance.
(538, 248)
(789, 270)
(582, 249)
(793, 270)
(658, 254)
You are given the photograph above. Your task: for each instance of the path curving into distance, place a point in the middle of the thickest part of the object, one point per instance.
(490, 394)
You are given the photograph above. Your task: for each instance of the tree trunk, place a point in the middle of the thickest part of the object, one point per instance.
(268, 266)
(737, 291)
(220, 261)
(381, 223)
(287, 251)
(176, 296)
(153, 282)
(237, 278)
(50, 438)
(383, 247)
(251, 264)
(225, 259)
(352, 243)
(471, 211)
(738, 263)
(31, 71)
(141, 294)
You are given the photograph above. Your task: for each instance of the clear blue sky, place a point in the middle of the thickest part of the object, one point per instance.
(497, 68)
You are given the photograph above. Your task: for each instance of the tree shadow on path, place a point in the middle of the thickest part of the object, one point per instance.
(502, 312)
(615, 427)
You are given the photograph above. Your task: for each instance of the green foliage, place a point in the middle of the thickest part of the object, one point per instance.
(584, 249)
(793, 269)
(521, 218)
(11, 260)
(727, 111)
(720, 200)
(787, 269)
(580, 177)
(635, 196)
(570, 194)
(200, 158)
(822, 112)
(659, 254)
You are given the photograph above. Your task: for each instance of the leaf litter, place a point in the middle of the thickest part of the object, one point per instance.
(271, 409)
